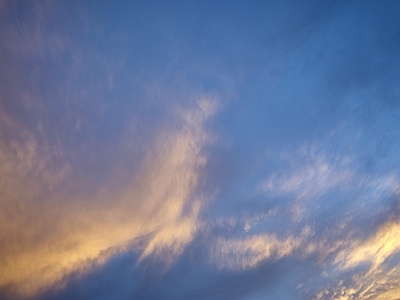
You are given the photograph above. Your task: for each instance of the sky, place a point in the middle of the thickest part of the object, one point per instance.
(230, 150)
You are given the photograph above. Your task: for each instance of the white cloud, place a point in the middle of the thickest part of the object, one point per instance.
(341, 251)
(249, 252)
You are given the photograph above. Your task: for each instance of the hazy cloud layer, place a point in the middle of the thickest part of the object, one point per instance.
(199, 150)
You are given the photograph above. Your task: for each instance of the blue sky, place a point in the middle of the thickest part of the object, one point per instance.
(200, 150)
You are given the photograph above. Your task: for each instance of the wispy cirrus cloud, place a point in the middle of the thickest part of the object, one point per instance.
(119, 180)
(368, 268)
(318, 201)
(91, 180)
(67, 233)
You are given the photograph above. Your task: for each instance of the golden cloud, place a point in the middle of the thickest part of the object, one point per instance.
(46, 234)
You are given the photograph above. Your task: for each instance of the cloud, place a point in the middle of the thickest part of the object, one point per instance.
(324, 211)
(85, 172)
(48, 235)
(366, 269)
(249, 252)
(108, 157)
(370, 268)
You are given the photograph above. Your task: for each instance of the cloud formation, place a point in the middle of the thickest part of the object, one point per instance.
(192, 150)
(317, 209)
(48, 235)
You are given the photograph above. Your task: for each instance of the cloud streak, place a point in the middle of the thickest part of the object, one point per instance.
(53, 236)
(317, 204)
(219, 150)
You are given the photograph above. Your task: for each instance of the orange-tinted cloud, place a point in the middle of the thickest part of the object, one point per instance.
(47, 234)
